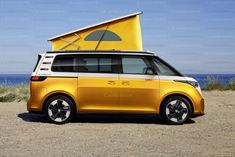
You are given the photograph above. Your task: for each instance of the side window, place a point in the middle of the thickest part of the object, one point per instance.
(39, 58)
(64, 63)
(97, 64)
(105, 65)
(87, 64)
(104, 35)
(135, 65)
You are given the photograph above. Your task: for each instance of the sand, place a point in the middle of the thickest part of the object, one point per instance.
(23, 134)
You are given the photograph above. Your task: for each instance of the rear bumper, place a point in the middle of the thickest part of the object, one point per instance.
(33, 106)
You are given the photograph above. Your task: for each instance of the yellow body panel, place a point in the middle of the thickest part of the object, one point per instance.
(139, 95)
(127, 29)
(98, 94)
(113, 94)
(40, 90)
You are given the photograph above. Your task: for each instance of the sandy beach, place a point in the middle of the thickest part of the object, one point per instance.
(23, 134)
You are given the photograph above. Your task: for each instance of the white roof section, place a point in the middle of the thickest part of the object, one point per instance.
(101, 23)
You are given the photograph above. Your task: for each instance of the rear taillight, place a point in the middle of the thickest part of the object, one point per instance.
(38, 78)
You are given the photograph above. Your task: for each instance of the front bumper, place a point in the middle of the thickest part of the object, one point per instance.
(200, 109)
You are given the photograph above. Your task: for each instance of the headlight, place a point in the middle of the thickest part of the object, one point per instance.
(195, 84)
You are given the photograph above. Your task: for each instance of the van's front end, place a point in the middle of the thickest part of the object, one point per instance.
(185, 86)
(180, 96)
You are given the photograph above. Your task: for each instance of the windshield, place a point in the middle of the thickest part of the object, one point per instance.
(164, 68)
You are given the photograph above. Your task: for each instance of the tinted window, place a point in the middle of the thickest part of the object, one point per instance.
(85, 63)
(97, 64)
(88, 64)
(163, 68)
(39, 58)
(105, 65)
(134, 64)
(65, 63)
(104, 35)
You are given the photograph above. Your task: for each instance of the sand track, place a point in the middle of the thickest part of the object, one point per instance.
(23, 134)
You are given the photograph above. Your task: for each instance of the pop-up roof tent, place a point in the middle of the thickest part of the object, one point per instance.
(122, 33)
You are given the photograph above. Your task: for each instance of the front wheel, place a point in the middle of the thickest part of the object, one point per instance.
(59, 109)
(176, 110)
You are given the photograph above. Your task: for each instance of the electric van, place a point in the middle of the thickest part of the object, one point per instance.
(65, 83)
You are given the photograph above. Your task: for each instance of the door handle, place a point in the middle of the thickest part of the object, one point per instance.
(149, 78)
(111, 82)
(125, 83)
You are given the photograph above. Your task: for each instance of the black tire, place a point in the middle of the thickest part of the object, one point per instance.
(59, 109)
(176, 110)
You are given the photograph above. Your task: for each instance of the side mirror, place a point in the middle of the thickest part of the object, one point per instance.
(149, 71)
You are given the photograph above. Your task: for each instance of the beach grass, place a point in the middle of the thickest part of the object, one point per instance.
(231, 84)
(14, 93)
(213, 83)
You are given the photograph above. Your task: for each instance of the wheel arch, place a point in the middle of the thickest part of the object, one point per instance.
(176, 94)
(55, 94)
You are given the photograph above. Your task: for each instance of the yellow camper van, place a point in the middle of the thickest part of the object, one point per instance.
(68, 82)
(102, 68)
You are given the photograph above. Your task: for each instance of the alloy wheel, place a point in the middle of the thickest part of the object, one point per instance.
(59, 110)
(176, 111)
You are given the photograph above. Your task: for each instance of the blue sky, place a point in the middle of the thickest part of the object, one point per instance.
(194, 36)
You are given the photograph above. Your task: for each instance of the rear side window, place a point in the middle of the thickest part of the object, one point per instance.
(85, 63)
(135, 65)
(97, 64)
(65, 63)
(39, 58)
(88, 64)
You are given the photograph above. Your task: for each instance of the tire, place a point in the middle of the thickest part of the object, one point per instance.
(59, 109)
(176, 110)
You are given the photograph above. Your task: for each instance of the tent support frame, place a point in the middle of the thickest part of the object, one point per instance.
(70, 42)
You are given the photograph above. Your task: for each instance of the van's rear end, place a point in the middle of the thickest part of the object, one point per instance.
(45, 83)
(34, 100)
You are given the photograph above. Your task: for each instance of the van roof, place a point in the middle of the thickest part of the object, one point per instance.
(104, 51)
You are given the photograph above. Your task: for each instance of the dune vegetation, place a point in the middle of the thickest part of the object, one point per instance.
(17, 93)
(213, 83)
(20, 92)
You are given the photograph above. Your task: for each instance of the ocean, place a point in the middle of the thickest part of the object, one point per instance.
(14, 79)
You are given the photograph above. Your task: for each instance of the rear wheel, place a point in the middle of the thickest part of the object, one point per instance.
(176, 110)
(60, 109)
